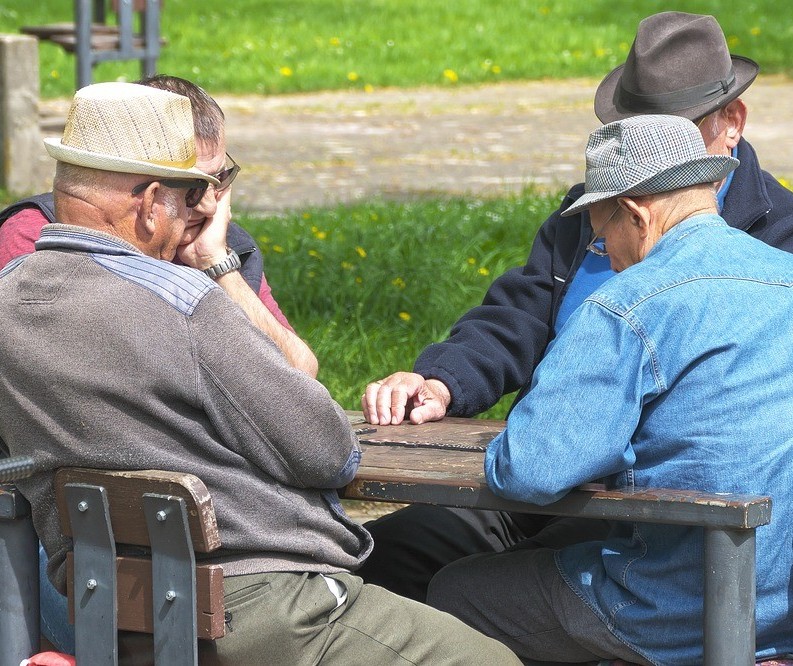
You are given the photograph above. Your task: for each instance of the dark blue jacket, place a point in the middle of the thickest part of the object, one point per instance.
(237, 238)
(492, 350)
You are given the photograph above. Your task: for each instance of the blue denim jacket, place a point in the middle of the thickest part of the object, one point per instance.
(677, 372)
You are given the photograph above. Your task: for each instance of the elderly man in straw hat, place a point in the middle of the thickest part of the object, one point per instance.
(686, 382)
(135, 363)
(678, 64)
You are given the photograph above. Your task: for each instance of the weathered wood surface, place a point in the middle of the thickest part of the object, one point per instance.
(443, 463)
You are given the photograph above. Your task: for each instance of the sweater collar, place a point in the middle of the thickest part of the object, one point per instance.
(82, 239)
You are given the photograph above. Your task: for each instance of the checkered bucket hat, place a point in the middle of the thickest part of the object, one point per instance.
(647, 155)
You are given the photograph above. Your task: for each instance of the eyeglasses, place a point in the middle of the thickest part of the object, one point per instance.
(227, 176)
(597, 245)
(196, 187)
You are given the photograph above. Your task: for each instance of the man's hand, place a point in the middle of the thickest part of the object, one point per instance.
(386, 401)
(204, 241)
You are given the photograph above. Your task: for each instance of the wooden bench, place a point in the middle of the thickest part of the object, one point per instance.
(93, 40)
(135, 537)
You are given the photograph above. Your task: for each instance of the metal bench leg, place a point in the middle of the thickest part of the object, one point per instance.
(173, 573)
(95, 626)
(729, 597)
(151, 32)
(19, 581)
(83, 59)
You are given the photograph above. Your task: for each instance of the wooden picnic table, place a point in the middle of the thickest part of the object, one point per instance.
(442, 463)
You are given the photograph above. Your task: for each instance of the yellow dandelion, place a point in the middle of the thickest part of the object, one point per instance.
(368, 88)
(286, 71)
(784, 182)
(399, 283)
(278, 248)
(471, 261)
(352, 76)
(404, 316)
(483, 271)
(450, 75)
(358, 280)
(374, 217)
(346, 265)
(755, 31)
(600, 52)
(318, 233)
(334, 41)
(361, 252)
(55, 74)
(263, 239)
(496, 69)
(733, 41)
(314, 253)
(307, 216)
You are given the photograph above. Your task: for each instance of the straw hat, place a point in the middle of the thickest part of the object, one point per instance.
(129, 128)
(680, 64)
(647, 155)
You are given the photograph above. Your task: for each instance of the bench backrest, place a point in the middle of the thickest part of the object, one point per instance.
(135, 537)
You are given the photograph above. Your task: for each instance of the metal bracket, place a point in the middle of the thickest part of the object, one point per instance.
(96, 637)
(173, 580)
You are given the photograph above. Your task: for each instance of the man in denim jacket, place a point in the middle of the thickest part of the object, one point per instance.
(686, 382)
(679, 64)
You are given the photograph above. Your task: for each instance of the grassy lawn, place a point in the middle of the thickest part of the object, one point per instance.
(359, 284)
(277, 46)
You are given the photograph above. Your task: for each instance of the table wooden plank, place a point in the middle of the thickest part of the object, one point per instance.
(431, 464)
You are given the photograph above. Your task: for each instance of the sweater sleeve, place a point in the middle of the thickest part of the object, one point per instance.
(278, 418)
(19, 233)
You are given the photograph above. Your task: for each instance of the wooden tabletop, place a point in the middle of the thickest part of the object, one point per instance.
(443, 463)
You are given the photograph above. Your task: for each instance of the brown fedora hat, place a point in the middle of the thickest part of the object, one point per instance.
(679, 64)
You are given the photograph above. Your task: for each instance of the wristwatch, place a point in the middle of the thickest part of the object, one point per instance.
(230, 263)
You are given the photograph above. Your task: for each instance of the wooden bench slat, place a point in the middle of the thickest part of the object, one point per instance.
(126, 508)
(134, 589)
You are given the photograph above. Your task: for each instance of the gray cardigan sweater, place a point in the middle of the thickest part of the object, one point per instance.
(111, 359)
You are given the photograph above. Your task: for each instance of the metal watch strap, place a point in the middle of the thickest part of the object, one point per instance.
(230, 263)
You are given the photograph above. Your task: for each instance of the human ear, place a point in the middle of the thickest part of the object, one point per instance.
(735, 116)
(639, 213)
(145, 218)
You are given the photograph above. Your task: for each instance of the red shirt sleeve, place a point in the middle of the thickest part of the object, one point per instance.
(19, 233)
(266, 297)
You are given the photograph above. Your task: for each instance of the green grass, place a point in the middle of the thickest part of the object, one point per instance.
(369, 286)
(277, 46)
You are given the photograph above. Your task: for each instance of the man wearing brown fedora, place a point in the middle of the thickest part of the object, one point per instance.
(678, 64)
(113, 357)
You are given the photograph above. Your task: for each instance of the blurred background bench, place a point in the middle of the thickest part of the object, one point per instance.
(134, 34)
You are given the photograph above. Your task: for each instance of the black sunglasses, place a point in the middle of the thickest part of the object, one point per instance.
(227, 176)
(196, 187)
